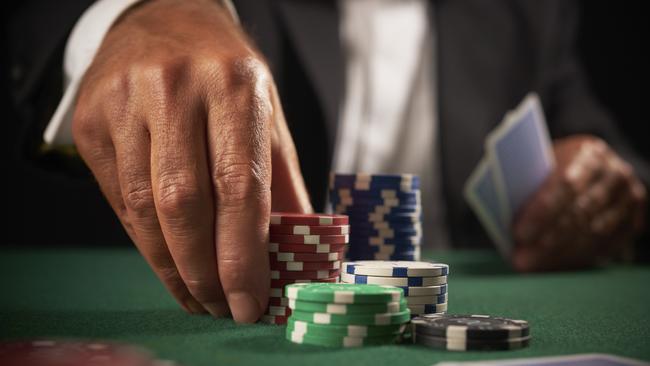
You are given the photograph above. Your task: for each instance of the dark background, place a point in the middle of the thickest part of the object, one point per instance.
(612, 44)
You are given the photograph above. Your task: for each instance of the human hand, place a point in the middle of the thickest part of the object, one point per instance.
(179, 120)
(590, 208)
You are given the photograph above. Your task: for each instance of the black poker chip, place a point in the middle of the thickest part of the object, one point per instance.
(458, 344)
(472, 327)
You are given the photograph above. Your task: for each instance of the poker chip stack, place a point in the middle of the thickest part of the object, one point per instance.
(345, 315)
(385, 214)
(470, 332)
(424, 283)
(303, 248)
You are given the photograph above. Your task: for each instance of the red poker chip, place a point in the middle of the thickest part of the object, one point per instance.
(309, 230)
(288, 218)
(278, 310)
(280, 283)
(278, 301)
(274, 319)
(309, 239)
(73, 353)
(307, 257)
(304, 275)
(305, 248)
(304, 266)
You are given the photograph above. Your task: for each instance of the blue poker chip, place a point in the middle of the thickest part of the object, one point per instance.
(412, 218)
(383, 194)
(402, 182)
(359, 208)
(378, 201)
(397, 227)
(379, 241)
(396, 268)
(393, 281)
(396, 235)
(424, 291)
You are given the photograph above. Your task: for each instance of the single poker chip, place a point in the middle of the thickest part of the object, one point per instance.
(308, 239)
(376, 240)
(331, 308)
(471, 327)
(410, 256)
(374, 193)
(309, 230)
(405, 227)
(274, 319)
(339, 293)
(382, 254)
(393, 281)
(339, 341)
(287, 218)
(43, 352)
(304, 275)
(424, 290)
(306, 257)
(402, 182)
(391, 202)
(459, 344)
(427, 309)
(306, 248)
(280, 283)
(358, 319)
(344, 330)
(360, 231)
(396, 268)
(423, 300)
(278, 310)
(278, 301)
(304, 266)
(364, 209)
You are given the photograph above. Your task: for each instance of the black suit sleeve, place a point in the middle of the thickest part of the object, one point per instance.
(570, 105)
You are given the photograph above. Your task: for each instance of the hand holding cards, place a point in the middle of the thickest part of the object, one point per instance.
(519, 157)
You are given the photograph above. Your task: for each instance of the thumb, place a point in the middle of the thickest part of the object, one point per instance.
(288, 190)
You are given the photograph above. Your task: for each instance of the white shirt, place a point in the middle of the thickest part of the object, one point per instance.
(388, 118)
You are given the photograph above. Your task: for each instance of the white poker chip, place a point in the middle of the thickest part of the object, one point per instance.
(393, 281)
(396, 268)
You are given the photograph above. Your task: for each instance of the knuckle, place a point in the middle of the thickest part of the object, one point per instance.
(240, 183)
(177, 195)
(138, 199)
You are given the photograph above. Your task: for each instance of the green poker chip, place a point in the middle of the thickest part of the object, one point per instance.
(359, 331)
(340, 341)
(344, 293)
(356, 319)
(331, 308)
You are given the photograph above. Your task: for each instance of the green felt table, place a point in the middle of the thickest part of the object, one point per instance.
(111, 294)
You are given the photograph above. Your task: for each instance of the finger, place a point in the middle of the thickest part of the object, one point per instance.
(183, 194)
(557, 193)
(614, 178)
(288, 191)
(97, 151)
(608, 220)
(239, 133)
(133, 151)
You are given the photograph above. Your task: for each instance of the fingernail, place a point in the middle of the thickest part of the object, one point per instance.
(245, 308)
(217, 309)
(194, 307)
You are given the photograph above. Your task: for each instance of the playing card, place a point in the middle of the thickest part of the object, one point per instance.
(519, 157)
(521, 154)
(481, 195)
(594, 359)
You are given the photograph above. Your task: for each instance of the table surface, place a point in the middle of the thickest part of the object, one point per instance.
(111, 294)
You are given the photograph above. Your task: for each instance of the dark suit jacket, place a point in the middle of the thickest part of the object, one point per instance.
(489, 54)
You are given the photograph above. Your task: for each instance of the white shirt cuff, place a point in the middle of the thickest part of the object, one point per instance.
(85, 39)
